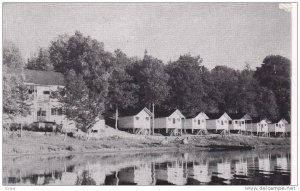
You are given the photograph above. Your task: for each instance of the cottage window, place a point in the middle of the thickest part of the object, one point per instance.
(230, 122)
(235, 122)
(53, 111)
(30, 89)
(41, 113)
(265, 124)
(59, 111)
(198, 121)
(276, 125)
(174, 121)
(242, 122)
(46, 92)
(222, 123)
(137, 118)
(147, 118)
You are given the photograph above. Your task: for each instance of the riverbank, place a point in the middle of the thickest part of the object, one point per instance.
(39, 143)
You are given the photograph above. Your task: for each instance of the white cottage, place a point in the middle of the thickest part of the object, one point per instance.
(279, 127)
(260, 126)
(197, 123)
(238, 123)
(138, 121)
(169, 121)
(218, 121)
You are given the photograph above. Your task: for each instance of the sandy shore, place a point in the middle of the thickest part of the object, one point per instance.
(39, 143)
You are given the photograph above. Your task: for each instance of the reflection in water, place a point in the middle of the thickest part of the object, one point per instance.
(143, 174)
(176, 168)
(264, 164)
(200, 173)
(282, 163)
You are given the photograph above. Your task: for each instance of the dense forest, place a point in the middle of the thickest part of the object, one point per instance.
(99, 81)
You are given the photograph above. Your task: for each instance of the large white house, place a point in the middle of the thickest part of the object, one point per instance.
(43, 108)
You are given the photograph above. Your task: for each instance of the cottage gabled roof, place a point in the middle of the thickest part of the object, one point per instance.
(193, 116)
(259, 119)
(44, 77)
(256, 119)
(283, 121)
(217, 115)
(240, 116)
(214, 115)
(167, 113)
(132, 112)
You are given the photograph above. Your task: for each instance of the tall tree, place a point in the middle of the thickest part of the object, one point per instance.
(81, 104)
(149, 74)
(40, 61)
(84, 59)
(274, 74)
(16, 102)
(189, 84)
(266, 104)
(121, 90)
(225, 88)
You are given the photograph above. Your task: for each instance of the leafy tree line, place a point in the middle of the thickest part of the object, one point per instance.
(98, 81)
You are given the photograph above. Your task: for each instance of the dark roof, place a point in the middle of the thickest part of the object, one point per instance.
(190, 116)
(43, 77)
(214, 115)
(110, 121)
(163, 113)
(236, 115)
(256, 119)
(133, 111)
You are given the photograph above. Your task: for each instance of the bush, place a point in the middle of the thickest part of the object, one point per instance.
(14, 126)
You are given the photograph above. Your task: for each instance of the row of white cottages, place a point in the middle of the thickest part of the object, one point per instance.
(45, 109)
(174, 120)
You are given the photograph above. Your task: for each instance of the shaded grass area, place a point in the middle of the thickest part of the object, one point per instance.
(39, 143)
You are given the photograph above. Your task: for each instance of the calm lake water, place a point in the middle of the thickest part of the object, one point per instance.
(264, 167)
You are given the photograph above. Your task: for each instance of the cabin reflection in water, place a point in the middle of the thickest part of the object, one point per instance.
(241, 167)
(143, 174)
(282, 163)
(200, 172)
(224, 171)
(176, 174)
(264, 164)
(171, 173)
(175, 168)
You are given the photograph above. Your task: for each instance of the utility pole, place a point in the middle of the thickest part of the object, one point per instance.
(152, 118)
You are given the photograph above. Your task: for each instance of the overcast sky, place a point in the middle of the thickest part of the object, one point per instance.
(221, 33)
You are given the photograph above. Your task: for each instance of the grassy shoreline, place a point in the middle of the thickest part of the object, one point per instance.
(39, 143)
